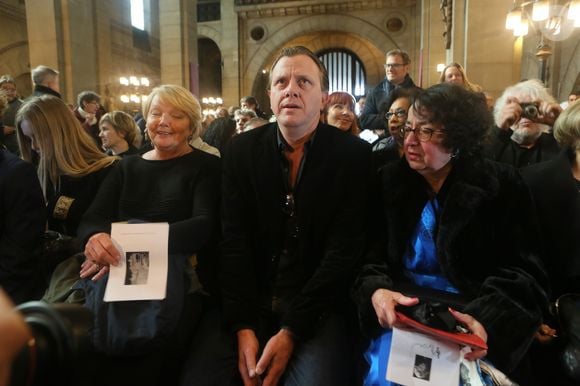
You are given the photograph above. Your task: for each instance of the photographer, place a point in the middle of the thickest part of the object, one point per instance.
(524, 116)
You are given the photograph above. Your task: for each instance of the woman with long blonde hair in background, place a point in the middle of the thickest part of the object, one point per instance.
(454, 73)
(70, 165)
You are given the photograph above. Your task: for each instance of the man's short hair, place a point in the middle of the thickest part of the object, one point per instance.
(301, 50)
(87, 97)
(249, 100)
(7, 79)
(397, 52)
(41, 75)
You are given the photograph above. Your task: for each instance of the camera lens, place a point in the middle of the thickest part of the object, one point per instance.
(530, 111)
(61, 346)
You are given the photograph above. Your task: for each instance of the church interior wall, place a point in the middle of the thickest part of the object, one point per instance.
(14, 44)
(92, 43)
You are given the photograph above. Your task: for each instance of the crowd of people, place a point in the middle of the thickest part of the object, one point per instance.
(300, 241)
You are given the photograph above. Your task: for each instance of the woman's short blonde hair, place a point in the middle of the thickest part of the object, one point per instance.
(123, 124)
(567, 127)
(181, 99)
(66, 148)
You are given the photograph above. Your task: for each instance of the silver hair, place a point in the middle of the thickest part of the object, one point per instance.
(532, 88)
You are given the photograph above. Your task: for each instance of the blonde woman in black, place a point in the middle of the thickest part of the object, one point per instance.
(70, 166)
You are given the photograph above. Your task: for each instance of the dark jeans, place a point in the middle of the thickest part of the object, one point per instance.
(326, 359)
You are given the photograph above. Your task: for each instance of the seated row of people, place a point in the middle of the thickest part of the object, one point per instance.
(303, 217)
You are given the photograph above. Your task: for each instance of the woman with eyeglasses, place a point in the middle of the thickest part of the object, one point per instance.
(395, 111)
(452, 227)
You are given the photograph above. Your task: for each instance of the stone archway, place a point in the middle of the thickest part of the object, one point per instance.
(204, 31)
(210, 68)
(367, 41)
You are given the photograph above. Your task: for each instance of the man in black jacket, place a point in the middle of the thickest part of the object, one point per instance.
(45, 80)
(397, 75)
(293, 220)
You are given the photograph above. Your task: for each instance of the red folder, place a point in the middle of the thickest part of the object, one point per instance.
(462, 338)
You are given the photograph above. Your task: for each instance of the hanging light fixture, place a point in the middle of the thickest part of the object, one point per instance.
(522, 28)
(513, 18)
(540, 10)
(574, 10)
(554, 21)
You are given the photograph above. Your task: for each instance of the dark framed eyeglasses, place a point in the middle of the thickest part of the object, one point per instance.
(423, 134)
(400, 113)
(394, 65)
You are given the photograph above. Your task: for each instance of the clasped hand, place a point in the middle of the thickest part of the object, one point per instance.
(100, 253)
(272, 362)
(384, 302)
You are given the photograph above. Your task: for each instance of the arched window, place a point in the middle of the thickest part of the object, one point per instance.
(345, 71)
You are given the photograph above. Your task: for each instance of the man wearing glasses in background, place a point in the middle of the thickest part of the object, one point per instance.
(397, 75)
(88, 112)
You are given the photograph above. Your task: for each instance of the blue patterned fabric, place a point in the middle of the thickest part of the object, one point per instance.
(420, 259)
(422, 267)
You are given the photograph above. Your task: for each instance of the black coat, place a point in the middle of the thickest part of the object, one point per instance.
(485, 246)
(503, 149)
(22, 224)
(331, 217)
(558, 205)
(371, 117)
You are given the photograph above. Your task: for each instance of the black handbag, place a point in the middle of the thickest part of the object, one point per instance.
(138, 327)
(56, 247)
(431, 314)
(567, 309)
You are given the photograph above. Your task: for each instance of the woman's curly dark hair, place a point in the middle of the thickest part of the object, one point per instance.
(463, 114)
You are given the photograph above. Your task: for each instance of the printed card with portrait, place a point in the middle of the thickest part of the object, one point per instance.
(419, 359)
(142, 271)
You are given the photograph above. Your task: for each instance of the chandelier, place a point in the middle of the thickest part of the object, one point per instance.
(555, 21)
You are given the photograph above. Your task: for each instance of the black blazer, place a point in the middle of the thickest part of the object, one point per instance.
(22, 224)
(558, 205)
(331, 206)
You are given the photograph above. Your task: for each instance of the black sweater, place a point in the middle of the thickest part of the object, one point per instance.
(183, 191)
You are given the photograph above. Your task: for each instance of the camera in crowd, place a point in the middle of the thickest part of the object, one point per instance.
(530, 111)
(60, 352)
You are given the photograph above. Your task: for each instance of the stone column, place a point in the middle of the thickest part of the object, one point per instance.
(230, 55)
(178, 37)
(45, 35)
(61, 35)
